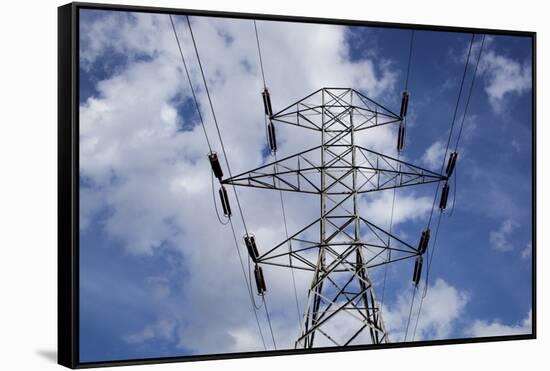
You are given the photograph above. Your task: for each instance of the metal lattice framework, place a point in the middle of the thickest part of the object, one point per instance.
(340, 246)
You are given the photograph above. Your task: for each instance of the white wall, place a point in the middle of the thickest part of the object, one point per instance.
(28, 183)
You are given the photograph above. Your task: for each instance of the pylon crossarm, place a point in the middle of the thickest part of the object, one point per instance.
(281, 112)
(374, 237)
(335, 104)
(377, 172)
(307, 265)
(392, 163)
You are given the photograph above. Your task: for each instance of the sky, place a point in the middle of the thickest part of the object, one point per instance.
(159, 276)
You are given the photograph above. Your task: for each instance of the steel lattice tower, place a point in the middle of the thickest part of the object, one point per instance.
(340, 246)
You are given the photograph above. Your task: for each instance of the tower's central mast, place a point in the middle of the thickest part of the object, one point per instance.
(347, 288)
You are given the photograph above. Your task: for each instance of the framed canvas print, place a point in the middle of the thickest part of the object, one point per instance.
(240, 185)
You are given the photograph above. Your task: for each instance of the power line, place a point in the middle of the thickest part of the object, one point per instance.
(410, 57)
(215, 119)
(452, 125)
(434, 245)
(263, 74)
(228, 167)
(289, 249)
(199, 113)
(190, 83)
(470, 92)
(432, 252)
(443, 163)
(411, 42)
(258, 307)
(249, 288)
(269, 321)
(464, 116)
(276, 168)
(247, 283)
(259, 51)
(426, 280)
(215, 203)
(455, 173)
(410, 313)
(418, 316)
(458, 138)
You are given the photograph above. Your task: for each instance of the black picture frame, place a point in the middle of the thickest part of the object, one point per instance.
(68, 183)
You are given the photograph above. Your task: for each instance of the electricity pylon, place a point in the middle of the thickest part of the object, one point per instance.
(340, 246)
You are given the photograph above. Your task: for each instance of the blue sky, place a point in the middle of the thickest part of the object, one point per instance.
(155, 265)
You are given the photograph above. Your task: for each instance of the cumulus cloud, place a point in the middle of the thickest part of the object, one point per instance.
(516, 145)
(408, 207)
(162, 329)
(503, 76)
(433, 157)
(482, 328)
(526, 253)
(500, 239)
(152, 179)
(441, 309)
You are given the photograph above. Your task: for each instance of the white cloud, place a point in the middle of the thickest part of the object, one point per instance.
(500, 238)
(482, 328)
(503, 76)
(162, 329)
(90, 204)
(516, 145)
(443, 306)
(433, 157)
(526, 253)
(408, 206)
